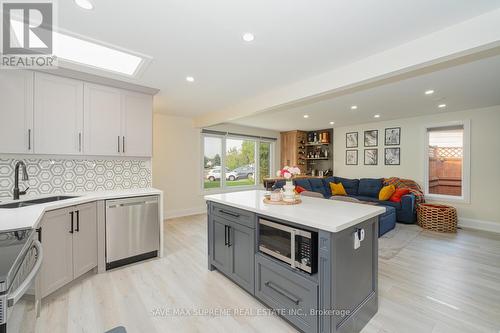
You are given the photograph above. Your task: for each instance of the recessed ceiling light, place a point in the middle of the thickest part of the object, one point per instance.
(248, 37)
(441, 106)
(354, 107)
(332, 122)
(429, 92)
(376, 116)
(306, 116)
(189, 79)
(85, 4)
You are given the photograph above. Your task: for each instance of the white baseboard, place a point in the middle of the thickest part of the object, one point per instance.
(479, 224)
(171, 214)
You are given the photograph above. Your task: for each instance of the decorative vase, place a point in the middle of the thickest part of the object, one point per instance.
(289, 193)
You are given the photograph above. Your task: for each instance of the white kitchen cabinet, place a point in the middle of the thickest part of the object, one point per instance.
(137, 124)
(69, 240)
(58, 115)
(16, 112)
(57, 242)
(85, 239)
(102, 120)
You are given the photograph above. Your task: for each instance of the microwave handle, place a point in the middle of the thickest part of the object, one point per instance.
(292, 243)
(21, 290)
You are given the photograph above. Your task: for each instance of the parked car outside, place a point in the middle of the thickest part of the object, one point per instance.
(245, 172)
(214, 174)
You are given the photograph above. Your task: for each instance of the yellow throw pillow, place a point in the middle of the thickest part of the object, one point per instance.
(337, 189)
(386, 192)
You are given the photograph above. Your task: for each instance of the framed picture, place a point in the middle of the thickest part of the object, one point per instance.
(371, 157)
(393, 136)
(351, 157)
(371, 138)
(351, 140)
(393, 156)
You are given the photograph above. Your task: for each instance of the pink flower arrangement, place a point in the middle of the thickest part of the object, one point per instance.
(288, 172)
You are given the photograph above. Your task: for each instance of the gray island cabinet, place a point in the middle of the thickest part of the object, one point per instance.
(339, 295)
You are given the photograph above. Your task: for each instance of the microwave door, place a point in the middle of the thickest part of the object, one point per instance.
(276, 240)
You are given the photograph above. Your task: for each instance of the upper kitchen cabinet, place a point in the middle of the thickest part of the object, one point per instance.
(137, 124)
(16, 112)
(102, 120)
(58, 120)
(117, 122)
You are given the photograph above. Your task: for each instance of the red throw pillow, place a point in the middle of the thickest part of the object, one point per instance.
(396, 197)
(299, 189)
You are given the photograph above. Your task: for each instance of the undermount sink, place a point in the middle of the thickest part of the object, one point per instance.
(36, 201)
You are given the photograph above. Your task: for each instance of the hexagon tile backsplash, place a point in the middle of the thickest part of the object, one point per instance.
(52, 176)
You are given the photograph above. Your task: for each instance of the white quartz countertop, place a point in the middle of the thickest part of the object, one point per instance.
(322, 214)
(30, 216)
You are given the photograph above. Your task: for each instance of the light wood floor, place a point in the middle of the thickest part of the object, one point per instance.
(437, 283)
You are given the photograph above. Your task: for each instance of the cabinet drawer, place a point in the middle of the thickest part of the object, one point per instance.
(240, 216)
(280, 288)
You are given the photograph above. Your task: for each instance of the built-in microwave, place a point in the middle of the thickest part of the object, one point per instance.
(296, 247)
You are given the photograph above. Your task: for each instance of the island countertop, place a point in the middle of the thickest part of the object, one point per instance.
(322, 214)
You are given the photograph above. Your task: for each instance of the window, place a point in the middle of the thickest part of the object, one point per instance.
(234, 161)
(447, 162)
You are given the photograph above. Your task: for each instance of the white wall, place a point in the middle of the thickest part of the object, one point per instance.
(485, 159)
(176, 158)
(177, 161)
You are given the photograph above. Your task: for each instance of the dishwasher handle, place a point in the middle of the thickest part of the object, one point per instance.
(135, 203)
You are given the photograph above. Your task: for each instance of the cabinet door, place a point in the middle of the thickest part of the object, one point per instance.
(242, 246)
(57, 242)
(58, 115)
(137, 117)
(16, 111)
(220, 250)
(102, 120)
(85, 239)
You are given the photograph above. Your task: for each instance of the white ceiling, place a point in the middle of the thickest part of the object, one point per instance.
(468, 86)
(293, 40)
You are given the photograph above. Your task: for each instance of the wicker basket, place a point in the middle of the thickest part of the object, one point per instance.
(437, 217)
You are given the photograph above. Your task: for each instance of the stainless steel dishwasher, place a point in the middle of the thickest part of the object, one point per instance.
(132, 230)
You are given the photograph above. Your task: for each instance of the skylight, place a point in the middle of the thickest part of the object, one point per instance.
(84, 52)
(77, 50)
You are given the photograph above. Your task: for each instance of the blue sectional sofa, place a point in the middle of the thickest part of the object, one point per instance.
(364, 189)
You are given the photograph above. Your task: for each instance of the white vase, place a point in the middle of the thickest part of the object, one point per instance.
(289, 193)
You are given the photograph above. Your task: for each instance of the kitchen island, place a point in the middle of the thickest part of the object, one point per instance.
(325, 281)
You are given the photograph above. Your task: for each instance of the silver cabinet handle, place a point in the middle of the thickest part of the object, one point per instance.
(283, 292)
(80, 142)
(123, 144)
(118, 143)
(19, 292)
(29, 139)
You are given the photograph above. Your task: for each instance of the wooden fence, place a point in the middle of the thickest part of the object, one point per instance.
(445, 170)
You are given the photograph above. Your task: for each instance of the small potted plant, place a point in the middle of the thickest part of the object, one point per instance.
(289, 189)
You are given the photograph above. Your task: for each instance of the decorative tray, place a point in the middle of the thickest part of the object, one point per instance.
(281, 202)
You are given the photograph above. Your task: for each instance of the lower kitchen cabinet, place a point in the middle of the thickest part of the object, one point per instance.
(69, 240)
(232, 251)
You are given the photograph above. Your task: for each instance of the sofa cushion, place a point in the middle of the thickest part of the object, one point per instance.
(396, 205)
(370, 187)
(326, 184)
(318, 186)
(350, 185)
(304, 183)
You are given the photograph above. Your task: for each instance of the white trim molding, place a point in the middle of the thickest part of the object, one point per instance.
(490, 226)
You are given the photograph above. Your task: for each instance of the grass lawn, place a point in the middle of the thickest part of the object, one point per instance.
(239, 182)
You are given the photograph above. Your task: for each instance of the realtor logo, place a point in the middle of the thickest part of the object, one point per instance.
(27, 38)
